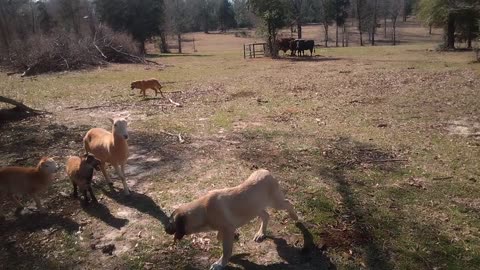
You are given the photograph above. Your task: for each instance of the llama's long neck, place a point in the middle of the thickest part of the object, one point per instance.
(120, 145)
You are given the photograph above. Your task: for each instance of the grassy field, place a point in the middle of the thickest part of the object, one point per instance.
(377, 147)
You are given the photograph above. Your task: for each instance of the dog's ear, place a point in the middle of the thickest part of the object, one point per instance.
(180, 221)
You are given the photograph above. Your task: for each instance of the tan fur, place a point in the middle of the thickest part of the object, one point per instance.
(147, 84)
(74, 171)
(80, 172)
(27, 180)
(108, 147)
(225, 210)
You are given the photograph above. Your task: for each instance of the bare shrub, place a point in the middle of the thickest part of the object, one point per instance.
(61, 51)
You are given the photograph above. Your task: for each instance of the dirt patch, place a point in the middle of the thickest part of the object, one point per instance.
(242, 94)
(464, 127)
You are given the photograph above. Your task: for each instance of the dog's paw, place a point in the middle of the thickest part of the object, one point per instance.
(216, 266)
(259, 237)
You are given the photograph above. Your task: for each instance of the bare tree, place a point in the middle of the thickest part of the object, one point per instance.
(395, 10)
(297, 15)
(374, 23)
(360, 5)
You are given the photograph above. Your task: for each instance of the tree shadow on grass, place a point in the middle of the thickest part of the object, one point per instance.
(314, 58)
(333, 166)
(166, 55)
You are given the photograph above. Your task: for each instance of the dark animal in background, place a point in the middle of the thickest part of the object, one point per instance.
(293, 47)
(305, 45)
(283, 44)
(80, 171)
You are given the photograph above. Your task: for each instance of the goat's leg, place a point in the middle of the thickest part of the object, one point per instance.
(85, 198)
(261, 234)
(17, 203)
(124, 180)
(75, 190)
(105, 174)
(38, 203)
(92, 195)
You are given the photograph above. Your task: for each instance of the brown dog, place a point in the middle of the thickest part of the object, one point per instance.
(27, 181)
(147, 84)
(225, 210)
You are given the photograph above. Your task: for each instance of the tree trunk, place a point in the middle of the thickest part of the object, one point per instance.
(430, 29)
(291, 30)
(299, 29)
(4, 28)
(163, 43)
(450, 32)
(385, 27)
(142, 47)
(343, 35)
(394, 26)
(33, 16)
(359, 17)
(325, 25)
(374, 26)
(336, 35)
(179, 40)
(205, 24)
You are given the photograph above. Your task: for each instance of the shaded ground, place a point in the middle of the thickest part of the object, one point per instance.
(378, 151)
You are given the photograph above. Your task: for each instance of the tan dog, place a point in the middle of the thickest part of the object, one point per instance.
(147, 84)
(225, 210)
(27, 181)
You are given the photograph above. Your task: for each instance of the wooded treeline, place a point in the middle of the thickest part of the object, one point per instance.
(28, 21)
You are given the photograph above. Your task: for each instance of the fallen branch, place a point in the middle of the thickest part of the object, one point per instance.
(127, 54)
(153, 62)
(179, 136)
(443, 178)
(386, 160)
(18, 105)
(100, 51)
(175, 103)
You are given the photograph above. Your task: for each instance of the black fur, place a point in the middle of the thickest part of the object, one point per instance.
(179, 227)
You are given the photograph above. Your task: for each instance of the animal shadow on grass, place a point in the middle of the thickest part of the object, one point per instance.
(102, 212)
(307, 257)
(314, 58)
(141, 202)
(38, 221)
